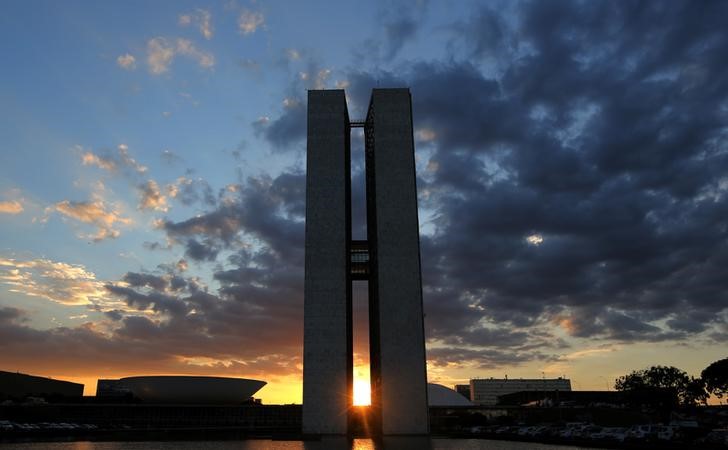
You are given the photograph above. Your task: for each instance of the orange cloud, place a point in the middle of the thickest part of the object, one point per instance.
(151, 197)
(113, 162)
(11, 207)
(67, 284)
(94, 213)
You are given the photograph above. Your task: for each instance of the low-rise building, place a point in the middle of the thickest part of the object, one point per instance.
(464, 390)
(19, 386)
(485, 391)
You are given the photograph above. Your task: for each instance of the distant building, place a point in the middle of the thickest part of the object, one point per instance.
(112, 389)
(656, 398)
(464, 390)
(19, 386)
(486, 391)
(180, 389)
(439, 395)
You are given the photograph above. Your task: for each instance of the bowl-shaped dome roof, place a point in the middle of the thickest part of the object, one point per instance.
(192, 389)
(439, 395)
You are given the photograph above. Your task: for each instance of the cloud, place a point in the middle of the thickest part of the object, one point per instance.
(173, 322)
(400, 24)
(555, 202)
(67, 284)
(189, 191)
(250, 21)
(483, 359)
(204, 59)
(137, 344)
(126, 61)
(120, 161)
(11, 207)
(398, 31)
(201, 18)
(289, 128)
(161, 54)
(150, 194)
(554, 197)
(170, 157)
(95, 213)
(151, 197)
(266, 209)
(573, 185)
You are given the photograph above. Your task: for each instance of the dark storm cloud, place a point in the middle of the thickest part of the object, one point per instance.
(148, 346)
(154, 301)
(145, 279)
(9, 314)
(251, 325)
(598, 133)
(256, 312)
(269, 209)
(396, 25)
(577, 177)
(289, 127)
(114, 315)
(398, 32)
(201, 252)
(192, 190)
(483, 358)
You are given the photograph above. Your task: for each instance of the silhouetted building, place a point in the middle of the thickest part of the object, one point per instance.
(485, 391)
(112, 389)
(463, 389)
(389, 259)
(180, 389)
(657, 398)
(19, 386)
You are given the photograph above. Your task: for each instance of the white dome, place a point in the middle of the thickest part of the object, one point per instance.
(439, 395)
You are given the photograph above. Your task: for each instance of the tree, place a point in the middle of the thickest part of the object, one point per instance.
(689, 390)
(716, 377)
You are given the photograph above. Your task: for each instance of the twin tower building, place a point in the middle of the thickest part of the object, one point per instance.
(389, 259)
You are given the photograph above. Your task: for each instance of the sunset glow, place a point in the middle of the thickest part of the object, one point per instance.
(572, 192)
(362, 393)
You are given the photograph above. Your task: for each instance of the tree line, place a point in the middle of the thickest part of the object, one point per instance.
(690, 390)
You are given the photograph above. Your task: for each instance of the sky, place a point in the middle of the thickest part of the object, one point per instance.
(572, 164)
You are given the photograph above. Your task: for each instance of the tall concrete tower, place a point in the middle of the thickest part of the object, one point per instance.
(389, 259)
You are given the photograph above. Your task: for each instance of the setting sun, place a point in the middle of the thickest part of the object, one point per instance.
(362, 393)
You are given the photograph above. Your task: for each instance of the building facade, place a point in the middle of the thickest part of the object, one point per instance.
(19, 386)
(463, 389)
(485, 391)
(389, 259)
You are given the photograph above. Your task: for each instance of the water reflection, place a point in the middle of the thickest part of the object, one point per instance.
(389, 443)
